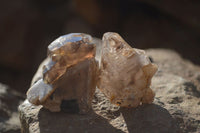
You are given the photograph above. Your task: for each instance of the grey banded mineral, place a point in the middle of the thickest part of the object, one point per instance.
(69, 75)
(125, 73)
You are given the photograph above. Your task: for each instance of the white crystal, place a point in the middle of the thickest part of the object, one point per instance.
(38, 92)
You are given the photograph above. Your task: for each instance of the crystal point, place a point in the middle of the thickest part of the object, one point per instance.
(125, 72)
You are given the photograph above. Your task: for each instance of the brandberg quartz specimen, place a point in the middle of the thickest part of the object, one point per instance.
(77, 63)
(70, 74)
(125, 73)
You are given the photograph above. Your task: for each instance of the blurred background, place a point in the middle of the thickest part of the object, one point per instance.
(27, 27)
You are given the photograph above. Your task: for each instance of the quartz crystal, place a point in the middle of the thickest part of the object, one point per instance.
(69, 74)
(125, 72)
(77, 63)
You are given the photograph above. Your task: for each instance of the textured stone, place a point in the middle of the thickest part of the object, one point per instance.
(177, 88)
(69, 74)
(125, 73)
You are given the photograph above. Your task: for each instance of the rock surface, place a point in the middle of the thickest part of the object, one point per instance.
(175, 108)
(9, 117)
(177, 88)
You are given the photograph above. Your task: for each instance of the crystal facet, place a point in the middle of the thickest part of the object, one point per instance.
(67, 51)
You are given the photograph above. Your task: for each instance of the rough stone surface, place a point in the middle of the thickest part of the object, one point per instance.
(175, 108)
(9, 117)
(177, 88)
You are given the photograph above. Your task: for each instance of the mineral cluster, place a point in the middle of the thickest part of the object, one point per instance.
(75, 68)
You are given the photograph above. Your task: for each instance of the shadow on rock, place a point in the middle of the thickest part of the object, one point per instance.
(149, 119)
(73, 123)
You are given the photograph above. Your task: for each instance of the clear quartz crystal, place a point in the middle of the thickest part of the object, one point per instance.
(125, 72)
(67, 51)
(70, 73)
